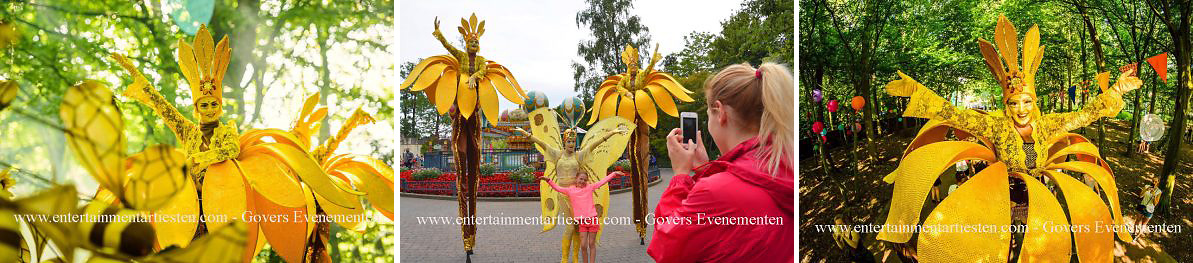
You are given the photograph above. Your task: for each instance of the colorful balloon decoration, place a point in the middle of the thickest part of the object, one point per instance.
(817, 127)
(1152, 128)
(534, 100)
(832, 105)
(572, 110)
(817, 96)
(858, 102)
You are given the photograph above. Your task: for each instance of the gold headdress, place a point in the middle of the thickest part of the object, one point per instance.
(203, 64)
(470, 29)
(630, 55)
(1014, 79)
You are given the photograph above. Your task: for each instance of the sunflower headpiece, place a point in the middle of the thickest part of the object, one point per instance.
(470, 29)
(630, 56)
(1013, 77)
(203, 64)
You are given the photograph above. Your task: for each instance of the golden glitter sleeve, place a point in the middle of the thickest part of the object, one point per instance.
(926, 104)
(1104, 105)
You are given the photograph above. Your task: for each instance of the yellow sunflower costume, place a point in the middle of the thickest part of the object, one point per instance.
(952, 232)
(460, 84)
(236, 175)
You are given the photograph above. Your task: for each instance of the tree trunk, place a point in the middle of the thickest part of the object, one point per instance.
(639, 161)
(466, 147)
(1172, 155)
(1098, 60)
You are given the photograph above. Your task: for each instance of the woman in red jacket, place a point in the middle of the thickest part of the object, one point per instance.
(738, 208)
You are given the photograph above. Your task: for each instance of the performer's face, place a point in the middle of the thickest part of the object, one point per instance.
(208, 109)
(1020, 106)
(473, 46)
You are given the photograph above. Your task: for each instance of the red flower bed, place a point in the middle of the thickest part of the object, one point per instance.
(498, 185)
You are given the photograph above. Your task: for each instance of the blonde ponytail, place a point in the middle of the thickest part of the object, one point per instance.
(776, 129)
(772, 87)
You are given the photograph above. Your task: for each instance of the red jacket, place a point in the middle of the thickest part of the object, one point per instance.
(729, 211)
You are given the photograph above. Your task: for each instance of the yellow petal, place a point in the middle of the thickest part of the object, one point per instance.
(1105, 180)
(224, 193)
(625, 108)
(445, 91)
(659, 77)
(1031, 43)
(311, 174)
(224, 245)
(95, 132)
(8, 222)
(488, 101)
(646, 108)
(59, 200)
(1094, 242)
(663, 99)
(674, 87)
(418, 69)
(269, 178)
(1082, 148)
(376, 179)
(178, 219)
(254, 137)
(598, 103)
(287, 232)
(154, 177)
(349, 218)
(1043, 242)
(510, 76)
(983, 201)
(204, 51)
(465, 96)
(432, 75)
(1060, 142)
(188, 65)
(916, 174)
(608, 106)
(311, 207)
(222, 56)
(499, 82)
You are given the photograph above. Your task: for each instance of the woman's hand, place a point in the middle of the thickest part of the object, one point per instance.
(684, 155)
(1126, 83)
(520, 130)
(903, 87)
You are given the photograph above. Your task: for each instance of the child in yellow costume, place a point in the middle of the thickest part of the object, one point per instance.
(1020, 143)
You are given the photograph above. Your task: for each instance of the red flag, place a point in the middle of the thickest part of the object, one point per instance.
(1160, 64)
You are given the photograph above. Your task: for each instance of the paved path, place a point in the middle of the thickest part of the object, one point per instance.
(429, 242)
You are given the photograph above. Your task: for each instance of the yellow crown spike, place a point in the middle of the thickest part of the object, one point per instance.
(1015, 78)
(472, 21)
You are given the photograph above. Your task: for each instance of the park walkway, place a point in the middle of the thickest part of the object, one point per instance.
(428, 242)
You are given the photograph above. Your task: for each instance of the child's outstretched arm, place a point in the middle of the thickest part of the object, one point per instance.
(605, 180)
(552, 184)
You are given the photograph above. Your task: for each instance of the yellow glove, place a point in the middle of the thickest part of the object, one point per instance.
(903, 87)
(1126, 83)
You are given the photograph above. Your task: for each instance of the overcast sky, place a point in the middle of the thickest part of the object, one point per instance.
(537, 40)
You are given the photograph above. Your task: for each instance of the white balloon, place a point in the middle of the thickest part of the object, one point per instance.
(1151, 128)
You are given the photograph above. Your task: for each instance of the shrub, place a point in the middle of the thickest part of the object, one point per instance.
(426, 174)
(488, 169)
(624, 165)
(524, 174)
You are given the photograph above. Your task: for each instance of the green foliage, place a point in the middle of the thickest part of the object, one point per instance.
(524, 174)
(613, 27)
(426, 174)
(488, 169)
